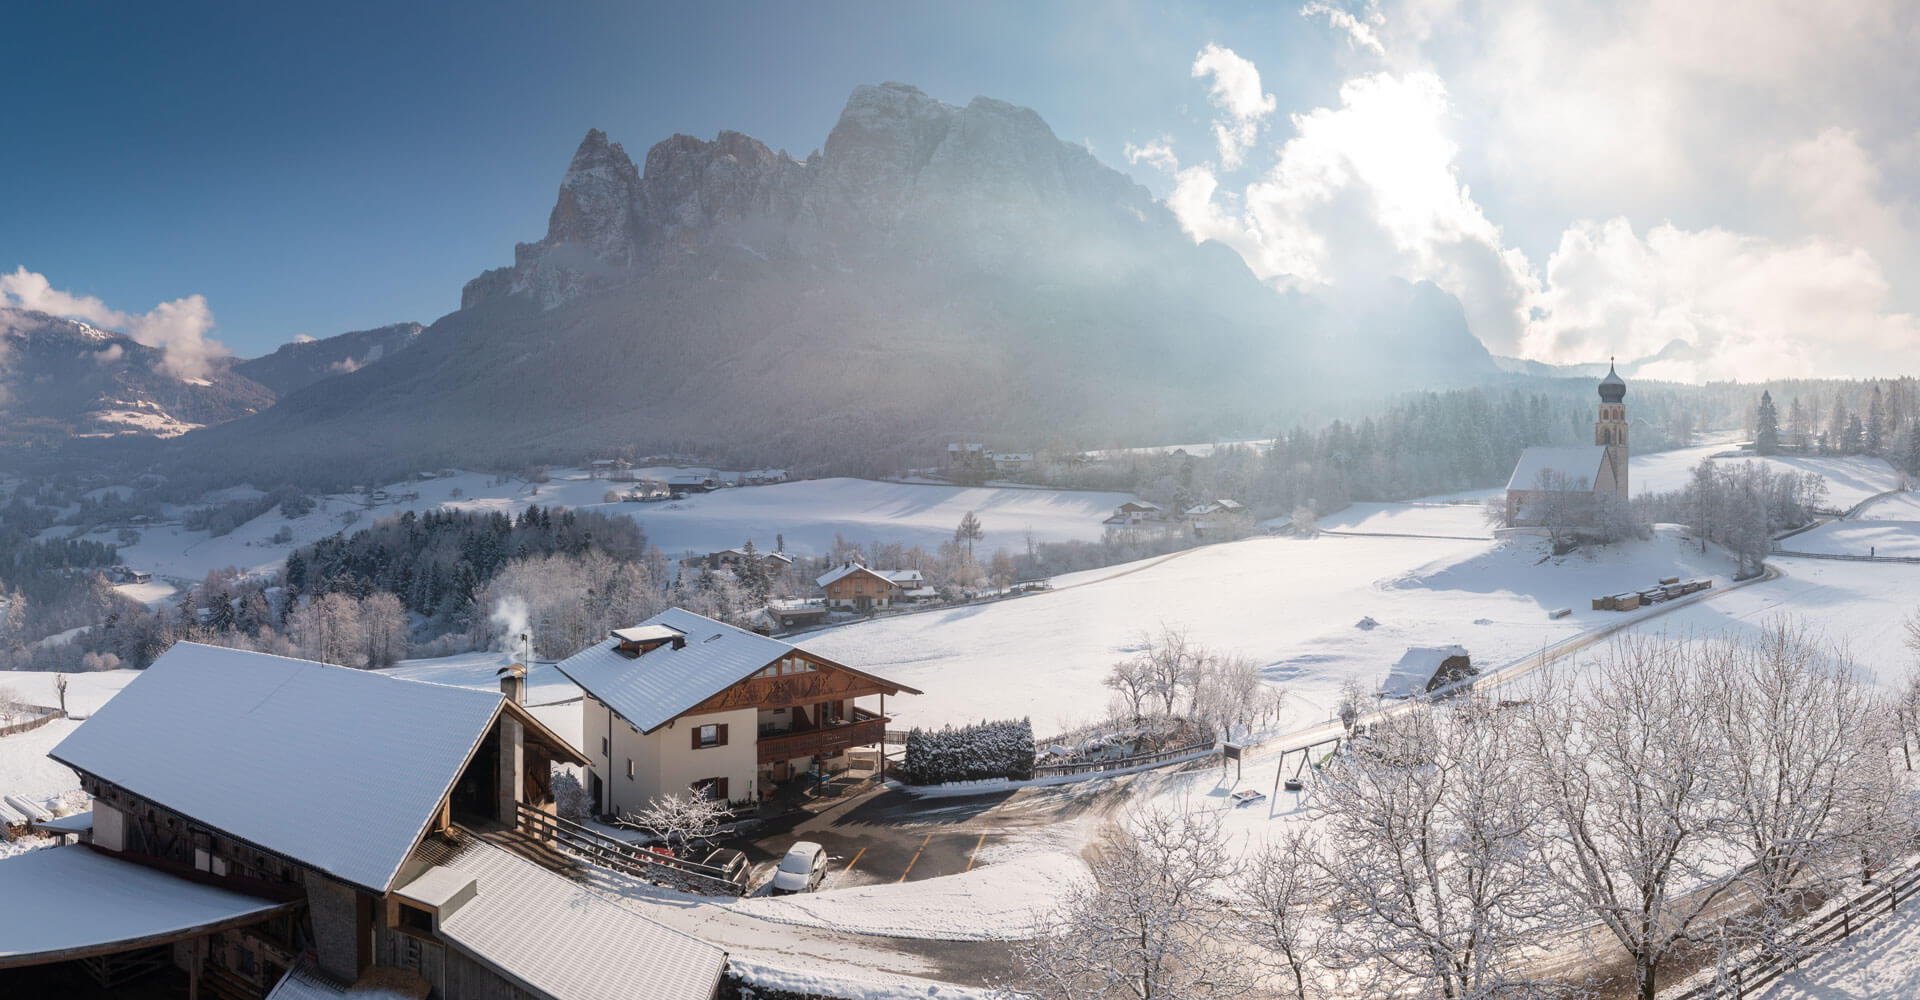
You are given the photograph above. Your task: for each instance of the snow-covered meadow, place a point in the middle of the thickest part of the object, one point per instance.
(807, 515)
(1291, 605)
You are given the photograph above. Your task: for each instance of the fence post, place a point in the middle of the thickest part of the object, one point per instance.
(1846, 924)
(1739, 989)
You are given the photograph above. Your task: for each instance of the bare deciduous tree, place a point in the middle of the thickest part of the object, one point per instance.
(1283, 890)
(1806, 768)
(1433, 860)
(1145, 926)
(1628, 768)
(685, 821)
(1132, 680)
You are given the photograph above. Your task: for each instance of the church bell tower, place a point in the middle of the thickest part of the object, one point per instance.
(1611, 429)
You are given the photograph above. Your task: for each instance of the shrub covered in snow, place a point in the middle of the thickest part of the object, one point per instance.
(988, 750)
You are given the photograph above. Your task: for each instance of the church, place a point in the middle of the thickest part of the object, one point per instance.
(1568, 484)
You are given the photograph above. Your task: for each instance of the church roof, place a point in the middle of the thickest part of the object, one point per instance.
(1613, 388)
(1574, 463)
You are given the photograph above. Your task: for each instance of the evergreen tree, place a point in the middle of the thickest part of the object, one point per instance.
(1766, 437)
(1856, 437)
(1876, 423)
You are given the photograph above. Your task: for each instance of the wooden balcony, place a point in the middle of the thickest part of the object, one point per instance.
(863, 729)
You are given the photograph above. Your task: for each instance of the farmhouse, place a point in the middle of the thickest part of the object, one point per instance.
(682, 702)
(1427, 668)
(1574, 485)
(1135, 512)
(272, 824)
(772, 562)
(851, 586)
(693, 482)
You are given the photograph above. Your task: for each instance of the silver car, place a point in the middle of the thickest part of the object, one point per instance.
(802, 870)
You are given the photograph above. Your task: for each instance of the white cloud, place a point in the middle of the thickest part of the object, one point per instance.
(1833, 184)
(1571, 105)
(1235, 91)
(1368, 189)
(178, 328)
(1362, 29)
(1750, 307)
(1157, 154)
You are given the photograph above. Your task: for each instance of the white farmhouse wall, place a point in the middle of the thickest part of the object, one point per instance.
(664, 761)
(680, 765)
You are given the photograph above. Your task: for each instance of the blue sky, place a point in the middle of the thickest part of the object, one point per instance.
(1588, 178)
(314, 171)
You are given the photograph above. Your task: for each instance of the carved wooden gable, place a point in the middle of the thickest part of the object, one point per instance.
(795, 679)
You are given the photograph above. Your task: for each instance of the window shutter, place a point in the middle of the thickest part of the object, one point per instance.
(720, 740)
(694, 731)
(720, 785)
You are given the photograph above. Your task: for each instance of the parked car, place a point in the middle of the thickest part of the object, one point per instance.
(802, 870)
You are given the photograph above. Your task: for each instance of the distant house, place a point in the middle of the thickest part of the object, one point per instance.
(693, 482)
(682, 701)
(1218, 516)
(1009, 463)
(853, 587)
(1134, 512)
(1427, 668)
(603, 467)
(646, 491)
(762, 477)
(772, 562)
(121, 574)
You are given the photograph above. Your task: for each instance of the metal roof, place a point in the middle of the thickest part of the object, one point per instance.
(70, 902)
(651, 689)
(1574, 463)
(337, 769)
(562, 940)
(840, 573)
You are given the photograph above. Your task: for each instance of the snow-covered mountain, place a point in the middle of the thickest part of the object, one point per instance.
(933, 271)
(303, 362)
(61, 379)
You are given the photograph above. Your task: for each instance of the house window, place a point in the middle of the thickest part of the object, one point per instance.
(629, 768)
(605, 751)
(712, 788)
(709, 736)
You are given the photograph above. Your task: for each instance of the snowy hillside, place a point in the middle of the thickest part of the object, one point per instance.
(1850, 478)
(1292, 605)
(808, 514)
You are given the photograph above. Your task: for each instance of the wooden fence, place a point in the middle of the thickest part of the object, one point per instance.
(1123, 763)
(1835, 925)
(618, 855)
(1778, 551)
(46, 715)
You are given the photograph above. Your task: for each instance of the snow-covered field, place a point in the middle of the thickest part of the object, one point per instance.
(1464, 520)
(1290, 604)
(1850, 478)
(1876, 964)
(1859, 538)
(808, 514)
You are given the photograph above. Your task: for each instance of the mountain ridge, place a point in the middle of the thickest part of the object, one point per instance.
(934, 271)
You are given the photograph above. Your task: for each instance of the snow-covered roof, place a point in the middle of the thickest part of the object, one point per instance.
(562, 940)
(903, 577)
(73, 901)
(336, 769)
(842, 572)
(651, 689)
(1416, 668)
(645, 633)
(1572, 463)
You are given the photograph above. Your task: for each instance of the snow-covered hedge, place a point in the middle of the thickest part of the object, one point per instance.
(988, 750)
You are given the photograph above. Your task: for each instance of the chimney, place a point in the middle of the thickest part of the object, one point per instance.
(513, 682)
